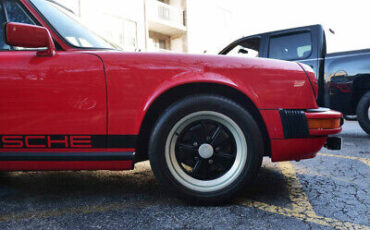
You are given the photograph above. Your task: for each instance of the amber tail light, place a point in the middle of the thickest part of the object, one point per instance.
(323, 123)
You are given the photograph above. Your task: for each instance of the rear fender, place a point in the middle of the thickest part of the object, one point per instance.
(191, 78)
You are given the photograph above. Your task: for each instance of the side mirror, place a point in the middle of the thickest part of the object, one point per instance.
(30, 36)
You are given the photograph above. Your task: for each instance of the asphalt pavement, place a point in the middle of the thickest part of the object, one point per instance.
(331, 191)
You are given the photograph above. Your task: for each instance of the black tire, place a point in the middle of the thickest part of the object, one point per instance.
(363, 112)
(350, 117)
(196, 107)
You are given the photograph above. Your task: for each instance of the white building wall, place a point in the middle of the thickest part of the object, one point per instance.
(121, 21)
(211, 25)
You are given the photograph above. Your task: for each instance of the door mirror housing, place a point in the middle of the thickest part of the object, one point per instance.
(30, 36)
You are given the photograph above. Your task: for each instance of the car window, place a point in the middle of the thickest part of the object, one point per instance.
(246, 48)
(242, 51)
(69, 27)
(291, 47)
(3, 46)
(16, 13)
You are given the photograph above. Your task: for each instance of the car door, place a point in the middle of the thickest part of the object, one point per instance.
(45, 100)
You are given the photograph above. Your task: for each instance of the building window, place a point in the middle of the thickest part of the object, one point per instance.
(159, 42)
(165, 1)
(162, 44)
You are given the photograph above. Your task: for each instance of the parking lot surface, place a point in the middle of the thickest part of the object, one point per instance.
(331, 191)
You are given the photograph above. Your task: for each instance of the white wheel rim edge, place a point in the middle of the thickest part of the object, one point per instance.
(210, 185)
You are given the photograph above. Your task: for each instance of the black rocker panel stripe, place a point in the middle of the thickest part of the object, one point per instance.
(67, 141)
(118, 141)
(66, 156)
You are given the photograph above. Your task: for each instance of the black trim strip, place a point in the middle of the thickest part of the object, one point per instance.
(4, 33)
(294, 123)
(67, 141)
(66, 156)
(121, 141)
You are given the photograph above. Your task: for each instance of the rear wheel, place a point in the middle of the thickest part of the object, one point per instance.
(205, 148)
(363, 112)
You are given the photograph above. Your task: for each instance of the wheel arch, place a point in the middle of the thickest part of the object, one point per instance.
(169, 96)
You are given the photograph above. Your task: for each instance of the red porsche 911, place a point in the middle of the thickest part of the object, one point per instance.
(70, 101)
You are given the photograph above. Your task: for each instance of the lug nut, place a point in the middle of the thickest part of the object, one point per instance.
(210, 161)
(195, 144)
(208, 138)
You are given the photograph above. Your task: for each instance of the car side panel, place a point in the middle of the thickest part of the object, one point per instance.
(135, 80)
(286, 149)
(347, 79)
(63, 94)
(273, 123)
(296, 149)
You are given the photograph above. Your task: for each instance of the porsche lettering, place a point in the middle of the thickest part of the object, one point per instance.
(45, 141)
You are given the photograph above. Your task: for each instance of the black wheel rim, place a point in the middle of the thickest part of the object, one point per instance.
(211, 133)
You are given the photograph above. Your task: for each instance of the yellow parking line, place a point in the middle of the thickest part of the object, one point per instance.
(325, 221)
(301, 207)
(362, 159)
(365, 161)
(300, 203)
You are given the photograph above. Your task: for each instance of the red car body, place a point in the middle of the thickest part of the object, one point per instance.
(79, 109)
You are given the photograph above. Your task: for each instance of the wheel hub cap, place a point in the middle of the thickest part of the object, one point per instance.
(205, 151)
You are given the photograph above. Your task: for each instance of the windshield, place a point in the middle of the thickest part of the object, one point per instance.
(69, 27)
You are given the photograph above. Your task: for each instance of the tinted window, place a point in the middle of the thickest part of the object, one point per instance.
(16, 13)
(291, 47)
(2, 21)
(247, 48)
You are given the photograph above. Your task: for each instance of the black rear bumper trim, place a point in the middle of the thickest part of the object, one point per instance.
(294, 123)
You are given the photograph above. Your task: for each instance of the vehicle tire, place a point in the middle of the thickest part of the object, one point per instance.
(363, 112)
(350, 117)
(205, 148)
